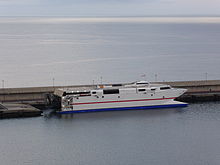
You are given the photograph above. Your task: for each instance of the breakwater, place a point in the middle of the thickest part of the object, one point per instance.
(208, 90)
(13, 110)
(37, 96)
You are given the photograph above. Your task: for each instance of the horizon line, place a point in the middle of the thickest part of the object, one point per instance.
(109, 16)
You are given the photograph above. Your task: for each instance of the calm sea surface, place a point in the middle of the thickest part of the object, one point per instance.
(75, 51)
(78, 51)
(157, 137)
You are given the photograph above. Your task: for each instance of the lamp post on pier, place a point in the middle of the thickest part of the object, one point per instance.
(3, 90)
(101, 79)
(206, 76)
(155, 76)
(3, 84)
(53, 83)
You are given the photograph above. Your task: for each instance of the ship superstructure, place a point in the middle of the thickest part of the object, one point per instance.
(138, 95)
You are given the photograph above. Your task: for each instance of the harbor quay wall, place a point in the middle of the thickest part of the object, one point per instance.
(207, 90)
(198, 91)
(196, 86)
(31, 95)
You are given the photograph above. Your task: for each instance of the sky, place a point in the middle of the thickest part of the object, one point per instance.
(109, 7)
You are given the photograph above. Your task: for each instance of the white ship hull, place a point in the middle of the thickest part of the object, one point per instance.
(152, 105)
(143, 97)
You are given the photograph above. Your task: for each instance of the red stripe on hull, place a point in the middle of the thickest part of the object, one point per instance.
(122, 101)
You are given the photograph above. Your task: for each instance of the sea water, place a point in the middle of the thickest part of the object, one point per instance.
(34, 51)
(68, 51)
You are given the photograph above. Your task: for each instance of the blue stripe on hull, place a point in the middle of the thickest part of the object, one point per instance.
(126, 108)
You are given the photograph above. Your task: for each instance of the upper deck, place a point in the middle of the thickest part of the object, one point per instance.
(111, 89)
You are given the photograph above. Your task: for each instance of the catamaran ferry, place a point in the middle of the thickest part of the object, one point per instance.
(134, 96)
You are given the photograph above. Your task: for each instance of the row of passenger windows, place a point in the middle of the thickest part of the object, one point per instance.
(111, 91)
(153, 89)
(108, 91)
(114, 91)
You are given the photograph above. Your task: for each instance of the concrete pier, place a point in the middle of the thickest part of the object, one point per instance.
(40, 96)
(198, 91)
(18, 110)
(37, 96)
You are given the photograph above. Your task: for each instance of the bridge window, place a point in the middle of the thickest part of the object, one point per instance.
(110, 91)
(141, 90)
(164, 88)
(76, 93)
(116, 85)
